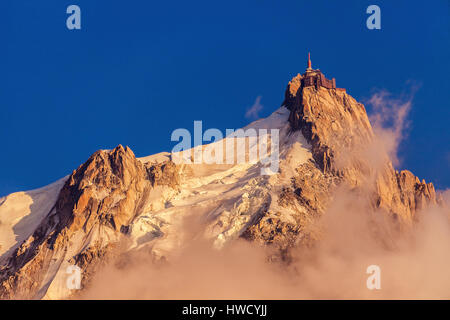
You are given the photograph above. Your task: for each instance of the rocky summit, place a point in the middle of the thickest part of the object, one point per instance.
(116, 203)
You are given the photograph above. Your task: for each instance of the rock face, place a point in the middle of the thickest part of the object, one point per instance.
(116, 203)
(97, 203)
(330, 119)
(341, 137)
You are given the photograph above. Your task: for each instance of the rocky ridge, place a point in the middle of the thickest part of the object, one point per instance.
(115, 202)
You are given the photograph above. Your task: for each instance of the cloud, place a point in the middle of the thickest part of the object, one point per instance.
(353, 235)
(414, 263)
(253, 111)
(389, 119)
(388, 116)
(445, 194)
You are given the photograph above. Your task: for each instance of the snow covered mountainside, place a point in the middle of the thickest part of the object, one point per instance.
(116, 203)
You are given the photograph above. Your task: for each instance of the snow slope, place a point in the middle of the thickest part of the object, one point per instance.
(224, 198)
(21, 213)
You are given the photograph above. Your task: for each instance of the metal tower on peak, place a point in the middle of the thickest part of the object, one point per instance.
(309, 62)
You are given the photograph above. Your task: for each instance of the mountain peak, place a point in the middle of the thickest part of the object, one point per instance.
(115, 200)
(344, 145)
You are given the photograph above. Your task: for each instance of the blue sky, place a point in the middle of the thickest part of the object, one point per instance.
(137, 70)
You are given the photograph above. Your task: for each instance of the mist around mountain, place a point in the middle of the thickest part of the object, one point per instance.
(156, 228)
